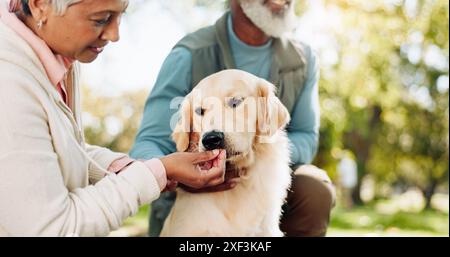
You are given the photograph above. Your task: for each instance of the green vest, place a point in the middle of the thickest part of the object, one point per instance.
(211, 53)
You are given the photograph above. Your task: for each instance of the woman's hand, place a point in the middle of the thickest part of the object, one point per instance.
(196, 170)
(231, 180)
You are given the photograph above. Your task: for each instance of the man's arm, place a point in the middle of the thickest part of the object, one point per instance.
(174, 80)
(303, 131)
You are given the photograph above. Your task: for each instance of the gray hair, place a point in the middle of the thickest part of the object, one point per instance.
(59, 6)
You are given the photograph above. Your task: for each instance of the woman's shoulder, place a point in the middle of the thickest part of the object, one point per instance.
(16, 51)
(9, 40)
(18, 77)
(19, 65)
(13, 69)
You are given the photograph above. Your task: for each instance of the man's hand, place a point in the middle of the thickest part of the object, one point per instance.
(171, 186)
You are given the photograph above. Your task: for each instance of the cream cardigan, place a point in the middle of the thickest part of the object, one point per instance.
(51, 182)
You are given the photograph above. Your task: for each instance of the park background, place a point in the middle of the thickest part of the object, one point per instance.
(384, 89)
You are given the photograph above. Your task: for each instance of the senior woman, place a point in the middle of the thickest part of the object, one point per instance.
(51, 182)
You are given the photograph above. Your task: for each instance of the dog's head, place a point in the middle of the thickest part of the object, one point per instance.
(231, 110)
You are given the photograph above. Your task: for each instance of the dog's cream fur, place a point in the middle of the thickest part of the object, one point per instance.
(253, 207)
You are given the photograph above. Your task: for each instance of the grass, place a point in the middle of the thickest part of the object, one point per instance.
(136, 226)
(369, 220)
(366, 221)
(140, 219)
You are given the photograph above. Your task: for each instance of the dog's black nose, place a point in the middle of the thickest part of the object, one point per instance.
(213, 140)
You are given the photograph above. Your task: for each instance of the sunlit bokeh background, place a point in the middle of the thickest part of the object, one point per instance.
(384, 96)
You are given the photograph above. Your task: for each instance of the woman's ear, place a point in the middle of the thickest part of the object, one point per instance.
(272, 114)
(40, 10)
(183, 128)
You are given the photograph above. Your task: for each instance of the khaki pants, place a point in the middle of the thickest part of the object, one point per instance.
(309, 203)
(306, 212)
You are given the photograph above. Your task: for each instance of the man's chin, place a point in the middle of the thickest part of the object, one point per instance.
(274, 24)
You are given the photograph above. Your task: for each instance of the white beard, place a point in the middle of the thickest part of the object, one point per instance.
(273, 24)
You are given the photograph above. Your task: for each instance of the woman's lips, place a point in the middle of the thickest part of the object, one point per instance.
(96, 50)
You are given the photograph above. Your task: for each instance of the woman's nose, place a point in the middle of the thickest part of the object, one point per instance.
(111, 32)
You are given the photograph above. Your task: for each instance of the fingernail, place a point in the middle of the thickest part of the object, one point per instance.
(215, 151)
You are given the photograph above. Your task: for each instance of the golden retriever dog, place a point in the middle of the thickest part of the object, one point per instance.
(238, 112)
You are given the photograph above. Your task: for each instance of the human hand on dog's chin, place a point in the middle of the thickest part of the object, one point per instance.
(196, 170)
(231, 180)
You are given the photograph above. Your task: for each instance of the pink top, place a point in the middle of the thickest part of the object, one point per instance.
(56, 67)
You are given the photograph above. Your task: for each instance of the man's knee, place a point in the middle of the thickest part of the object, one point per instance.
(310, 200)
(314, 185)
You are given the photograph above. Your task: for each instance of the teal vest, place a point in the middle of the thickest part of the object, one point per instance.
(211, 53)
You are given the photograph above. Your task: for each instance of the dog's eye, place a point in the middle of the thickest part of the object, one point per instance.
(235, 102)
(200, 111)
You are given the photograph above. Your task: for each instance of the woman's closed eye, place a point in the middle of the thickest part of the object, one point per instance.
(102, 22)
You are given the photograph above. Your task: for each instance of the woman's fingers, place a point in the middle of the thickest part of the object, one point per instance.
(215, 162)
(215, 175)
(205, 156)
(221, 158)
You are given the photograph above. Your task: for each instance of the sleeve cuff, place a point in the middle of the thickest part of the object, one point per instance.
(159, 171)
(143, 181)
(120, 164)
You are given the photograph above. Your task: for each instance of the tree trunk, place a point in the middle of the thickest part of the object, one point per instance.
(429, 192)
(361, 145)
(356, 193)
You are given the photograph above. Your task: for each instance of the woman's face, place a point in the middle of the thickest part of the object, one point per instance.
(84, 29)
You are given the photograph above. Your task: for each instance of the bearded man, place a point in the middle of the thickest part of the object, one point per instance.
(254, 36)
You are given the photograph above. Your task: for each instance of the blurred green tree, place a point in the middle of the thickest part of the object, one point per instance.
(112, 122)
(385, 99)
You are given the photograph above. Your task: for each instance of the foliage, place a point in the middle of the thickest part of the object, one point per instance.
(384, 97)
(112, 122)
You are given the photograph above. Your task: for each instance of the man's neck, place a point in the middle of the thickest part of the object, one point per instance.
(246, 30)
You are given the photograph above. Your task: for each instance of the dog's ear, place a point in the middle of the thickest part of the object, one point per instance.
(272, 114)
(183, 128)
